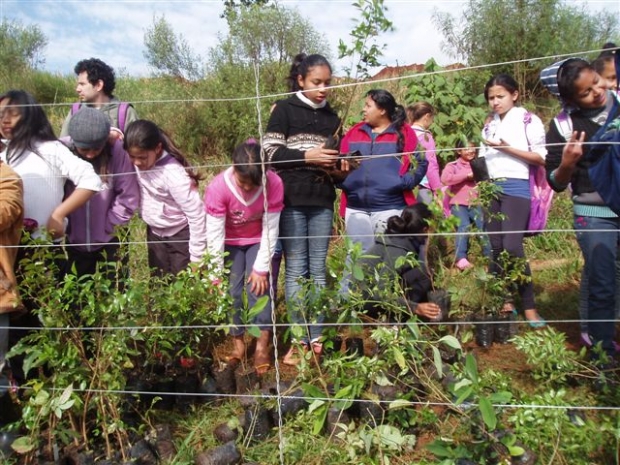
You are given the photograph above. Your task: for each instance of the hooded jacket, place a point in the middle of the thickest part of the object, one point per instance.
(384, 258)
(93, 225)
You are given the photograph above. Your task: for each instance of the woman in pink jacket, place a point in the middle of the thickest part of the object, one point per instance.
(459, 178)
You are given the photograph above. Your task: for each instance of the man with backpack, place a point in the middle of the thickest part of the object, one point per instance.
(95, 87)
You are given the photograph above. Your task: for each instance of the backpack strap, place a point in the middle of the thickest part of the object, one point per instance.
(75, 107)
(564, 124)
(122, 115)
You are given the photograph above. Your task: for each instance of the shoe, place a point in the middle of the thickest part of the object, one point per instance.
(585, 340)
(464, 264)
(317, 347)
(537, 323)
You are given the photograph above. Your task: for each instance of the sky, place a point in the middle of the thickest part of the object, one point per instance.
(113, 30)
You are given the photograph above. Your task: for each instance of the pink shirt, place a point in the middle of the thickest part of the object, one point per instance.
(461, 189)
(236, 217)
(425, 139)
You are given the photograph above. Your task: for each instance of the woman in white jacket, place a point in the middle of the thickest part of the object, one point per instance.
(513, 139)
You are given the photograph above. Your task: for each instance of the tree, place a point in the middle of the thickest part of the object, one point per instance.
(266, 34)
(168, 53)
(513, 33)
(20, 46)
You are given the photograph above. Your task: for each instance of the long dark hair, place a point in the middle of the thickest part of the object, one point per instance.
(503, 80)
(246, 161)
(567, 75)
(412, 220)
(146, 135)
(302, 63)
(32, 127)
(395, 112)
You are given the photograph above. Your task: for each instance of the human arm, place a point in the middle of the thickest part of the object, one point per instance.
(184, 192)
(81, 173)
(280, 155)
(452, 175)
(56, 222)
(412, 172)
(12, 202)
(535, 136)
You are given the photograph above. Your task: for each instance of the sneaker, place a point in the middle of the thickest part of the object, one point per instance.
(463, 264)
(585, 340)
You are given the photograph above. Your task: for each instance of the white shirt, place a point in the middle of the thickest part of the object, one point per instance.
(520, 129)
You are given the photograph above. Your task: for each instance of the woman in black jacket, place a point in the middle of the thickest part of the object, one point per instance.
(396, 256)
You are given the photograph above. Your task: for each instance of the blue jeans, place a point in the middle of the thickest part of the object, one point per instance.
(305, 233)
(468, 216)
(600, 250)
(241, 259)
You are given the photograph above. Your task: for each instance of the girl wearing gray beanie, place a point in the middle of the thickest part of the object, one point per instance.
(94, 231)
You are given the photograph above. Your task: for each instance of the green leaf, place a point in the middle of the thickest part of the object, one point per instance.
(516, 451)
(471, 368)
(439, 448)
(399, 358)
(319, 420)
(399, 403)
(488, 413)
(451, 341)
(23, 445)
(437, 360)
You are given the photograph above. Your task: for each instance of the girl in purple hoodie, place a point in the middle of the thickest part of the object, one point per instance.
(93, 230)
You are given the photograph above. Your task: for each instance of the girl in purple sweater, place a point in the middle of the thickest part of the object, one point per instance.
(459, 178)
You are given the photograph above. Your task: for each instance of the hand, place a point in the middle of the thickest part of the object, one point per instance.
(56, 225)
(258, 283)
(115, 134)
(497, 145)
(573, 149)
(428, 310)
(322, 157)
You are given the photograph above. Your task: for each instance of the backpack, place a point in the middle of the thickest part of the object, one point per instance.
(122, 113)
(541, 194)
(604, 156)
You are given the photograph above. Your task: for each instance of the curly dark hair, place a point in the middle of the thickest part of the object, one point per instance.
(97, 70)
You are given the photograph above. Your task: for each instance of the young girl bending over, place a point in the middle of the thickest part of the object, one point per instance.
(242, 220)
(170, 203)
(92, 235)
(404, 236)
(458, 176)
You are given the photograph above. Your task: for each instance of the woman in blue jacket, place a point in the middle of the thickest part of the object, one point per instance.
(389, 170)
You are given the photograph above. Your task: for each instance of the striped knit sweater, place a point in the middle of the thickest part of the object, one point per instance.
(297, 125)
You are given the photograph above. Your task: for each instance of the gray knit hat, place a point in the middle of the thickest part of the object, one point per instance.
(89, 128)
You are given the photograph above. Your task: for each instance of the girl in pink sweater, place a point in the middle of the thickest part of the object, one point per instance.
(459, 178)
(243, 205)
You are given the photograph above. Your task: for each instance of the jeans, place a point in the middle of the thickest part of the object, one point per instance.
(600, 250)
(241, 259)
(305, 233)
(468, 216)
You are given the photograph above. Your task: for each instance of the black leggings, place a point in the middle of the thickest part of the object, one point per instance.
(516, 212)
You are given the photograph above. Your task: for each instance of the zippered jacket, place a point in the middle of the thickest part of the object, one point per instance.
(93, 225)
(386, 176)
